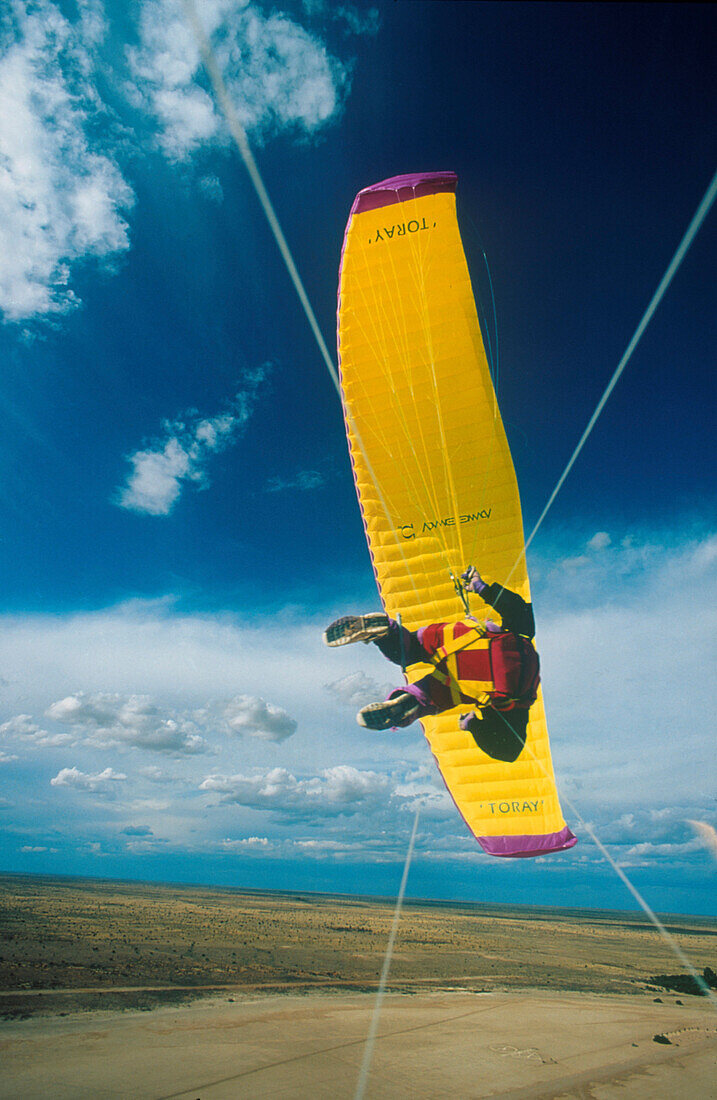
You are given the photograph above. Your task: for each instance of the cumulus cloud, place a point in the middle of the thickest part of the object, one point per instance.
(21, 725)
(261, 843)
(101, 783)
(365, 848)
(339, 790)
(357, 689)
(423, 790)
(251, 717)
(614, 568)
(624, 645)
(180, 456)
(149, 649)
(630, 707)
(22, 728)
(107, 719)
(111, 719)
(320, 845)
(637, 853)
(278, 74)
(650, 836)
(62, 198)
(157, 775)
(600, 541)
(155, 482)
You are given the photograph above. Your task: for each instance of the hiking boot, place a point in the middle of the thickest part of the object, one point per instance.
(400, 710)
(357, 628)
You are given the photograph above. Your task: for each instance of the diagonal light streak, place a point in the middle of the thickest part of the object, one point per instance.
(682, 249)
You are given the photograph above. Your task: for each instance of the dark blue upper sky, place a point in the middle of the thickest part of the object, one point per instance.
(583, 137)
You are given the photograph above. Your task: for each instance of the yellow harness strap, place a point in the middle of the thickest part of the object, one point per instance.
(475, 639)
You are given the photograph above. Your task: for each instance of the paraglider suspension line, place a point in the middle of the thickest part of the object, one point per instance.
(461, 593)
(400, 642)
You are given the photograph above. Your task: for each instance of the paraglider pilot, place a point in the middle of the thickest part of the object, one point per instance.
(492, 669)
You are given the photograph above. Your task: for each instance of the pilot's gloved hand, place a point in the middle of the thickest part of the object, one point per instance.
(472, 581)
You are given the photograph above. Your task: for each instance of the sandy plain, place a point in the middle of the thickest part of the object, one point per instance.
(128, 990)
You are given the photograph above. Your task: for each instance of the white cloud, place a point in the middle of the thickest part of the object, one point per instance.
(576, 562)
(254, 842)
(111, 719)
(160, 472)
(22, 728)
(625, 655)
(629, 695)
(148, 648)
(339, 790)
(21, 725)
(600, 541)
(155, 482)
(320, 845)
(101, 783)
(278, 74)
(358, 689)
(157, 775)
(62, 199)
(424, 791)
(667, 850)
(249, 716)
(620, 567)
(365, 848)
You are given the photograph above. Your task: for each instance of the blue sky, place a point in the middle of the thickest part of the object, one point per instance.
(179, 518)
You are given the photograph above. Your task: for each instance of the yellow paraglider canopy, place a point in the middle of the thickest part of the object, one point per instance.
(433, 472)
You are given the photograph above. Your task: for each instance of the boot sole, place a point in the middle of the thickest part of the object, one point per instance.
(356, 628)
(382, 716)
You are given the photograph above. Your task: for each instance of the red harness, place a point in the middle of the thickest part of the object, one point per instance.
(501, 670)
(515, 671)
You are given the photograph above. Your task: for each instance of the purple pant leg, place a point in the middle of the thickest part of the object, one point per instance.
(433, 695)
(390, 645)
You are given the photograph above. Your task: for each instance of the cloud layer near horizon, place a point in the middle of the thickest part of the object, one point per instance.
(259, 760)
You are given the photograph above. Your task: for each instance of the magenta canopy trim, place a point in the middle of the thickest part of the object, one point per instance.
(517, 846)
(402, 188)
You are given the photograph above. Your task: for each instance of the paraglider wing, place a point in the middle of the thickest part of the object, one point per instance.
(433, 472)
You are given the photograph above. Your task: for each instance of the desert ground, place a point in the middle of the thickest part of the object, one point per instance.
(112, 989)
